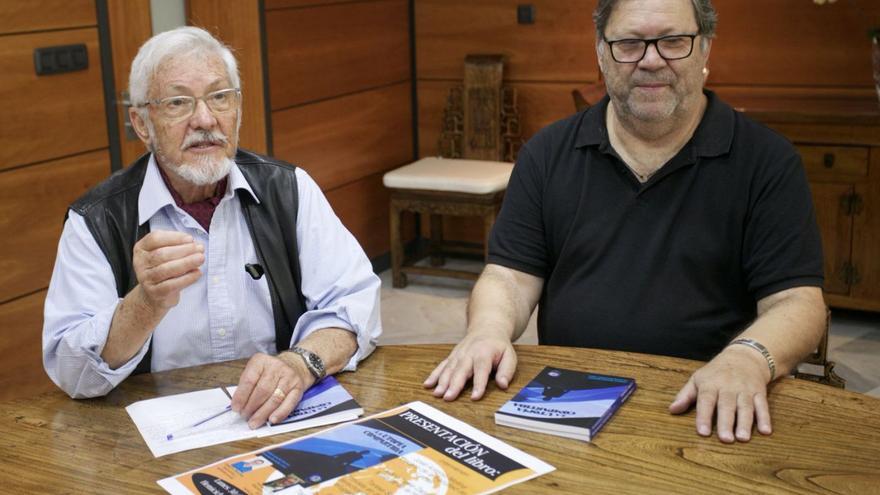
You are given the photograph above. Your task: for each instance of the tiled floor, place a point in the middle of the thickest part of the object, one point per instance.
(432, 310)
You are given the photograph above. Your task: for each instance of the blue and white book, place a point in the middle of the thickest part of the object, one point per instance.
(324, 403)
(574, 404)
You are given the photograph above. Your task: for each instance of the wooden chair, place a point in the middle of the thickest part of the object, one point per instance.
(434, 187)
(588, 96)
(820, 358)
(480, 138)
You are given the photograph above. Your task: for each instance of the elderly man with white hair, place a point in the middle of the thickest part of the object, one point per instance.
(201, 252)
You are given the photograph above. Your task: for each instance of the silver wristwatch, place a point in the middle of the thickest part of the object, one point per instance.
(313, 362)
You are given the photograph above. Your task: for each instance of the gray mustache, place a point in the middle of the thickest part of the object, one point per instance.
(204, 137)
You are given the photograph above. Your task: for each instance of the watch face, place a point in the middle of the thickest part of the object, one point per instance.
(317, 364)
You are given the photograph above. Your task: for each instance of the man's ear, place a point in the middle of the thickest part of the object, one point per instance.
(706, 49)
(600, 50)
(139, 125)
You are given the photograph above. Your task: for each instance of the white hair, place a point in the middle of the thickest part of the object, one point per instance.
(182, 41)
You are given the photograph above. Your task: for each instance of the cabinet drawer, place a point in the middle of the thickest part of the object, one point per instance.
(834, 161)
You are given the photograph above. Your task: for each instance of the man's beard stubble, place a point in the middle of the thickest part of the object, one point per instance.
(630, 109)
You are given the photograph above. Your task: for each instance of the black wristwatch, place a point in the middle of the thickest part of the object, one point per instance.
(313, 362)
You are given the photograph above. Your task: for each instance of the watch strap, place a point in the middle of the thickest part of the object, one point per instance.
(313, 362)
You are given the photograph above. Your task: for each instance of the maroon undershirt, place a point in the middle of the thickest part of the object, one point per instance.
(201, 211)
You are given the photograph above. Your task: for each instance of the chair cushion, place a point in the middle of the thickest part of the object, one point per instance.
(451, 174)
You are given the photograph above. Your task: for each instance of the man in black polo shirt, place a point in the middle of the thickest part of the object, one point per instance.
(658, 221)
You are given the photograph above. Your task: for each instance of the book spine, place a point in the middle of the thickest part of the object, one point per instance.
(611, 410)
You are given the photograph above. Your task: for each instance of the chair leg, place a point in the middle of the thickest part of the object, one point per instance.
(398, 278)
(437, 258)
(488, 222)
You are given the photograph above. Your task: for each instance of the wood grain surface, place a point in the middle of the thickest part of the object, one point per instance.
(237, 24)
(342, 140)
(559, 46)
(19, 17)
(362, 206)
(326, 51)
(130, 27)
(21, 358)
(825, 440)
(33, 201)
(49, 116)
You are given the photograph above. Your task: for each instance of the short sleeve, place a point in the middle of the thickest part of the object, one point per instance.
(782, 247)
(518, 238)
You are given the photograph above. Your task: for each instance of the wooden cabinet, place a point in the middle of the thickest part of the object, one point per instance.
(840, 146)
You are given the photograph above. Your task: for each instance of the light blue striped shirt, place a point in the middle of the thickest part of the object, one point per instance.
(226, 314)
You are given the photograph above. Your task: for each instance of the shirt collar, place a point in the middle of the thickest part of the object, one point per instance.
(713, 136)
(154, 194)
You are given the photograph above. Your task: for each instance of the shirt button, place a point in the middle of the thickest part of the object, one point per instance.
(222, 332)
(215, 280)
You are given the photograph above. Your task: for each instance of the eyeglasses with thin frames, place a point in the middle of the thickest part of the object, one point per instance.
(183, 106)
(633, 50)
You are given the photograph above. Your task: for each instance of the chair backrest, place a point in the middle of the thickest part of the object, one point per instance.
(480, 121)
(588, 96)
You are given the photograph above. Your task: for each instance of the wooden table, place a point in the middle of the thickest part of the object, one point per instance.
(825, 440)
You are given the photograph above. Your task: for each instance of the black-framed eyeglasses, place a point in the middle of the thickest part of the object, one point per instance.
(180, 107)
(632, 50)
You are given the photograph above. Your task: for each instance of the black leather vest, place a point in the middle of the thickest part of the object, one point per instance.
(110, 210)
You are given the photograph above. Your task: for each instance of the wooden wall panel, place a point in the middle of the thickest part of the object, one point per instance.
(559, 46)
(793, 43)
(32, 205)
(327, 51)
(50, 116)
(363, 208)
(344, 139)
(21, 356)
(238, 25)
(18, 16)
(540, 104)
(130, 27)
(286, 4)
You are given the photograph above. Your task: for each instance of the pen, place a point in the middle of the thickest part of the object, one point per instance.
(225, 410)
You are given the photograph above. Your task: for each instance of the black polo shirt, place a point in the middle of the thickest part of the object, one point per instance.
(674, 266)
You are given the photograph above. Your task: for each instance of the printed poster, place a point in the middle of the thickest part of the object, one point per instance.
(411, 449)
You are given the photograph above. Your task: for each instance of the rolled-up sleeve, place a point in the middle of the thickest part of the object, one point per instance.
(338, 282)
(79, 309)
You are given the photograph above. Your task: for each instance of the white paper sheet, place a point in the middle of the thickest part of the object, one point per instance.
(156, 418)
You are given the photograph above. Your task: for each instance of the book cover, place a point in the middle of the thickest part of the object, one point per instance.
(411, 449)
(326, 402)
(568, 403)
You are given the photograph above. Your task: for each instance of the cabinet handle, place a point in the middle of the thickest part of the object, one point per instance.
(828, 160)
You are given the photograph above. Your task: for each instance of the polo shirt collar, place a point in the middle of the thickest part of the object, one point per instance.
(713, 137)
(154, 195)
